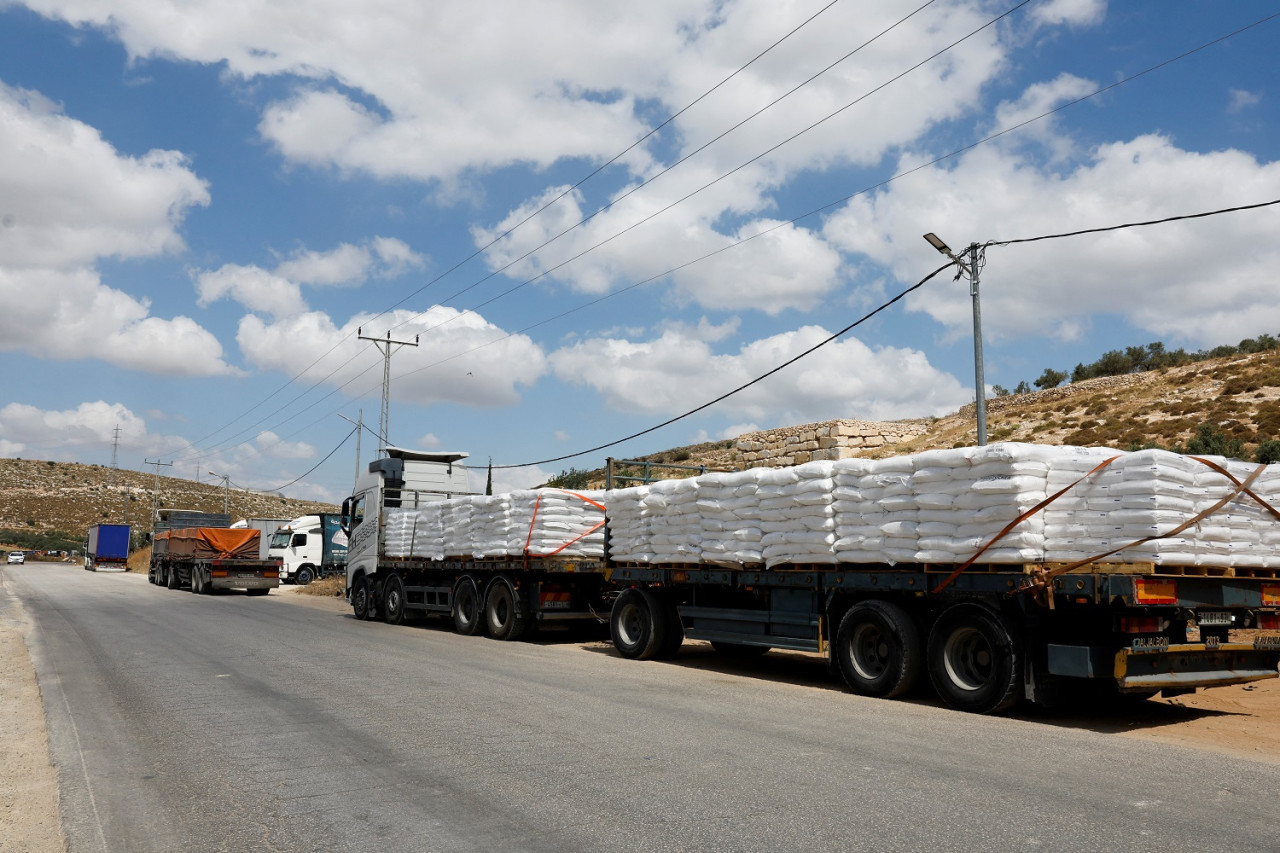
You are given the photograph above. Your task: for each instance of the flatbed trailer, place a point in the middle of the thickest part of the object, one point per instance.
(503, 598)
(986, 635)
(986, 638)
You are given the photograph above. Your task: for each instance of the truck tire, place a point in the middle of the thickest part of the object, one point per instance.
(392, 600)
(468, 614)
(674, 627)
(638, 624)
(879, 650)
(503, 616)
(305, 575)
(197, 583)
(975, 660)
(171, 578)
(360, 599)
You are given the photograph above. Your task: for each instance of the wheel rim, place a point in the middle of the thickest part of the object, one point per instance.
(869, 651)
(360, 598)
(467, 608)
(968, 659)
(393, 600)
(630, 624)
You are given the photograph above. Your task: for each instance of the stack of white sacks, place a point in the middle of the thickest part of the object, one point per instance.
(543, 521)
(940, 506)
(943, 506)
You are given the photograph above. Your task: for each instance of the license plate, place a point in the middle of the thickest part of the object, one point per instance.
(1213, 618)
(248, 574)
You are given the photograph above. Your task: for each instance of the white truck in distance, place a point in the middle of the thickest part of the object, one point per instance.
(309, 547)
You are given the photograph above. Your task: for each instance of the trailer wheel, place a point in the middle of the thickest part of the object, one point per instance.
(879, 650)
(360, 599)
(467, 615)
(171, 578)
(975, 660)
(196, 583)
(502, 614)
(638, 624)
(305, 575)
(674, 627)
(392, 600)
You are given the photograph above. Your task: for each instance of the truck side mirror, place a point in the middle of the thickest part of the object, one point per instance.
(344, 521)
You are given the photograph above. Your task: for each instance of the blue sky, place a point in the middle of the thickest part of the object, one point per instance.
(201, 203)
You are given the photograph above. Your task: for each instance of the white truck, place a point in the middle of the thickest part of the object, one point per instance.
(309, 547)
(266, 528)
(422, 544)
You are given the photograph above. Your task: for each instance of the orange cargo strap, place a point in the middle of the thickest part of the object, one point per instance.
(1044, 503)
(1042, 577)
(582, 535)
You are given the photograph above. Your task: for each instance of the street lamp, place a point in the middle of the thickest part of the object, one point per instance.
(226, 492)
(972, 271)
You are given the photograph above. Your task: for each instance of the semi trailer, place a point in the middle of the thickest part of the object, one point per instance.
(210, 559)
(992, 574)
(107, 548)
(309, 547)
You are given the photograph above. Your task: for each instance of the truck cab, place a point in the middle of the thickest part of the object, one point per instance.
(401, 478)
(309, 547)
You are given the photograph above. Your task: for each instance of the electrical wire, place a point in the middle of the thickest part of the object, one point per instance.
(1101, 230)
(653, 130)
(746, 385)
(318, 464)
(832, 204)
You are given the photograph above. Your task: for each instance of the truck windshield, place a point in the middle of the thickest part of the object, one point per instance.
(280, 539)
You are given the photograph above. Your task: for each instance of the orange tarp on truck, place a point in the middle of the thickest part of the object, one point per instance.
(209, 542)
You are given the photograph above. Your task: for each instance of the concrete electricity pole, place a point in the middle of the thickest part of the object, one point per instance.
(384, 422)
(155, 493)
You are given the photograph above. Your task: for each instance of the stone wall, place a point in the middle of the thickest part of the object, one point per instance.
(830, 440)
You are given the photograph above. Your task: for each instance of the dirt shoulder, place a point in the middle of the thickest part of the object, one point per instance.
(29, 820)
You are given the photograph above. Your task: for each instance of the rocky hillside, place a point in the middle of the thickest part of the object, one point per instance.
(1238, 397)
(62, 499)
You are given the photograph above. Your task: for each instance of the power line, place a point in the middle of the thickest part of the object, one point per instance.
(531, 216)
(317, 465)
(746, 385)
(1132, 224)
(821, 209)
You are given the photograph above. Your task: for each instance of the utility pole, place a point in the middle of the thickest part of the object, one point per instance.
(384, 421)
(359, 429)
(226, 492)
(155, 493)
(115, 467)
(977, 258)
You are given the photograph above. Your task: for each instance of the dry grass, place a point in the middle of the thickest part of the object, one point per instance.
(334, 585)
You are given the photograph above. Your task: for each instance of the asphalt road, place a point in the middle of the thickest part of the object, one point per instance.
(234, 723)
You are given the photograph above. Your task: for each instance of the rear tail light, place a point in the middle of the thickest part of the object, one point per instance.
(1271, 595)
(1151, 591)
(1141, 624)
(1269, 621)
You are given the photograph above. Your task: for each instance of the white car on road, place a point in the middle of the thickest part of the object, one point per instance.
(17, 557)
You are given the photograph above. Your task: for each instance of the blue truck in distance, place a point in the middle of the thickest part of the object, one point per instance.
(107, 549)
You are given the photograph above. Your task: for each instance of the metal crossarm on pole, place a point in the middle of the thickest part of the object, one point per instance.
(386, 346)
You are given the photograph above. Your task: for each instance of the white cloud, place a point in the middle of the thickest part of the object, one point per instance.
(62, 434)
(1242, 99)
(279, 292)
(1076, 13)
(271, 445)
(253, 287)
(1207, 281)
(67, 201)
(461, 357)
(675, 373)
(429, 442)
